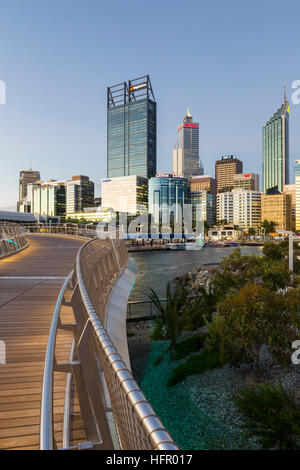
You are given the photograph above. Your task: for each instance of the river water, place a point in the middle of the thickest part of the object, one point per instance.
(157, 268)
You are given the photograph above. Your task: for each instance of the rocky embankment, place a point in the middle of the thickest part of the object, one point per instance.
(193, 280)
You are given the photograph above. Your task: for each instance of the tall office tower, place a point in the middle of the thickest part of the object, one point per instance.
(246, 181)
(186, 160)
(276, 149)
(26, 177)
(203, 183)
(79, 194)
(226, 169)
(131, 129)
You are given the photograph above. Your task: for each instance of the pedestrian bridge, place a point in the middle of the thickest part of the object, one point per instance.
(66, 382)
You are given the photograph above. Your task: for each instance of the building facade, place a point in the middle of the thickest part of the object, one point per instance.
(246, 181)
(291, 189)
(47, 198)
(297, 202)
(246, 209)
(204, 207)
(296, 169)
(79, 194)
(276, 149)
(186, 160)
(128, 194)
(131, 129)
(224, 207)
(226, 169)
(167, 196)
(277, 208)
(26, 177)
(203, 183)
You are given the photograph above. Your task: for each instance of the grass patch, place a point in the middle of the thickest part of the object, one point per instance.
(207, 359)
(188, 346)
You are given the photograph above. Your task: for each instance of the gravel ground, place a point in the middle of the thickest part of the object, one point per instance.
(139, 346)
(199, 412)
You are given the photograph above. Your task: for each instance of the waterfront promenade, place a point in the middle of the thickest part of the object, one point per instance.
(29, 285)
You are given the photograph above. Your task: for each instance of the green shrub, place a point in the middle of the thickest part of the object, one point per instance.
(236, 271)
(272, 415)
(196, 364)
(189, 345)
(273, 251)
(200, 308)
(214, 332)
(254, 317)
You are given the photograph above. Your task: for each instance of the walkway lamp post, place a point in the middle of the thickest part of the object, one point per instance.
(290, 234)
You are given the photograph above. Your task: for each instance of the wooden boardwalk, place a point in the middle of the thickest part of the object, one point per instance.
(29, 285)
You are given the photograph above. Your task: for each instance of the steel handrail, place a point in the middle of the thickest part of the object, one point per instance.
(151, 424)
(67, 407)
(46, 426)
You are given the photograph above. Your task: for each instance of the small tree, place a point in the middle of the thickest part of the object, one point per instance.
(251, 231)
(246, 325)
(268, 226)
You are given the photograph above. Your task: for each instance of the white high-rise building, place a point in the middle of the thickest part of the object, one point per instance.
(224, 209)
(186, 160)
(238, 207)
(246, 208)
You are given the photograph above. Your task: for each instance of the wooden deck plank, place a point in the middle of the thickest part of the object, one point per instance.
(26, 310)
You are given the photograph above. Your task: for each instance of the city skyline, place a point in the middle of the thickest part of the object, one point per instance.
(54, 119)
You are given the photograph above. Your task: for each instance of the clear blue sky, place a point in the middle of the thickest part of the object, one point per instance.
(227, 60)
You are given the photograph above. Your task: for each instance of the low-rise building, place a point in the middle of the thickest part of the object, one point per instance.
(223, 232)
(127, 194)
(277, 208)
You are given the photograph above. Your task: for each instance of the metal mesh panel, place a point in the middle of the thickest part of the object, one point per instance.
(99, 264)
(12, 239)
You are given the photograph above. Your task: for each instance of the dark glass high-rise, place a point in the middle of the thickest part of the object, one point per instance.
(131, 129)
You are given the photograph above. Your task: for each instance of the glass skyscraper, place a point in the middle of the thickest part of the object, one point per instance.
(166, 195)
(186, 160)
(276, 149)
(131, 129)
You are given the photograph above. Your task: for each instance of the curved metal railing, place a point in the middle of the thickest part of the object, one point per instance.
(12, 239)
(115, 412)
(46, 428)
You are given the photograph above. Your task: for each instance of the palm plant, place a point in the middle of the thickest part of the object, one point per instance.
(172, 318)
